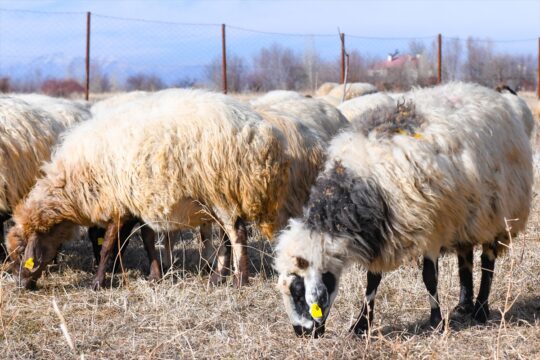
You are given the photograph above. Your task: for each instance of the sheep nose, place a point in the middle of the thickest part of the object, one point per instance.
(321, 296)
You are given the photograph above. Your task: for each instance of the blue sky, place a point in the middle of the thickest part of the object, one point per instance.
(511, 19)
(164, 47)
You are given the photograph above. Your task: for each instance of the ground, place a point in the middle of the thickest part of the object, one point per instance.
(184, 317)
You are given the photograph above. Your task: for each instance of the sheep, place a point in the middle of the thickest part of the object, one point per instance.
(117, 101)
(318, 115)
(174, 159)
(352, 90)
(355, 107)
(305, 150)
(68, 112)
(275, 96)
(519, 106)
(330, 100)
(325, 88)
(28, 136)
(442, 170)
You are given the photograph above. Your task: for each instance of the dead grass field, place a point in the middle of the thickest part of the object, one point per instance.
(182, 317)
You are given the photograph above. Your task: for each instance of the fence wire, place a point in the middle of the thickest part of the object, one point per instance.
(128, 54)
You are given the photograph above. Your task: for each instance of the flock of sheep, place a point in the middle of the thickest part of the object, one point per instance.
(378, 179)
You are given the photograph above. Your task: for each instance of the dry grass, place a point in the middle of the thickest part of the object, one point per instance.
(182, 317)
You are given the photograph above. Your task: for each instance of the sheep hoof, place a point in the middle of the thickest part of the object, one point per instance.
(97, 285)
(437, 324)
(240, 280)
(481, 312)
(360, 329)
(217, 279)
(465, 308)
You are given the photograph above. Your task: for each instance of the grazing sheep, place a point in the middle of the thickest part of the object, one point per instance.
(442, 170)
(325, 88)
(174, 159)
(117, 101)
(466, 306)
(357, 106)
(67, 112)
(317, 115)
(352, 90)
(306, 152)
(275, 96)
(519, 106)
(28, 135)
(330, 100)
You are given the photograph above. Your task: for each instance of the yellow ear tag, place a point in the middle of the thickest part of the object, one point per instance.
(29, 264)
(100, 241)
(316, 311)
(402, 132)
(417, 135)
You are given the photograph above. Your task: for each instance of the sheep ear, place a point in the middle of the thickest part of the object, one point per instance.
(301, 263)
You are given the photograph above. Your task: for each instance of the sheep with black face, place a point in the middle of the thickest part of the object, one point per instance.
(443, 169)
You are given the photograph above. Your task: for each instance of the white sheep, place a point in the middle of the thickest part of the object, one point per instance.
(174, 159)
(28, 135)
(68, 112)
(352, 90)
(275, 96)
(357, 106)
(325, 88)
(318, 115)
(444, 169)
(116, 101)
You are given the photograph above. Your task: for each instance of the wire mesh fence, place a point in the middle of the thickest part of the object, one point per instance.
(46, 52)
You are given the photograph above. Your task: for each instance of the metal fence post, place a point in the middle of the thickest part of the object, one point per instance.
(224, 59)
(87, 87)
(439, 59)
(342, 38)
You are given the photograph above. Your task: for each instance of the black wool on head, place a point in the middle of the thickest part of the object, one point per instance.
(342, 205)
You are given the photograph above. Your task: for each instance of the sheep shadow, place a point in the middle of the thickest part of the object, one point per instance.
(524, 312)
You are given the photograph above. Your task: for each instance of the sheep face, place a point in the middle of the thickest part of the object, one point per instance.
(308, 300)
(308, 279)
(34, 251)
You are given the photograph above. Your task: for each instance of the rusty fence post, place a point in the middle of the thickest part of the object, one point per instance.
(342, 39)
(439, 59)
(223, 59)
(87, 86)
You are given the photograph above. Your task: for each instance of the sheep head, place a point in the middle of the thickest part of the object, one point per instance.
(31, 252)
(309, 278)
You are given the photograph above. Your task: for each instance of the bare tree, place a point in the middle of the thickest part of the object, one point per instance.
(148, 82)
(236, 73)
(278, 67)
(452, 51)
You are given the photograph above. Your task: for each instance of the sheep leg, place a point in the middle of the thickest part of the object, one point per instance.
(94, 233)
(223, 260)
(111, 238)
(167, 259)
(207, 248)
(465, 263)
(430, 277)
(365, 318)
(3, 252)
(481, 307)
(239, 251)
(148, 236)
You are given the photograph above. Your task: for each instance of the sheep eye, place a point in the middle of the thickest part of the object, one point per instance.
(297, 287)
